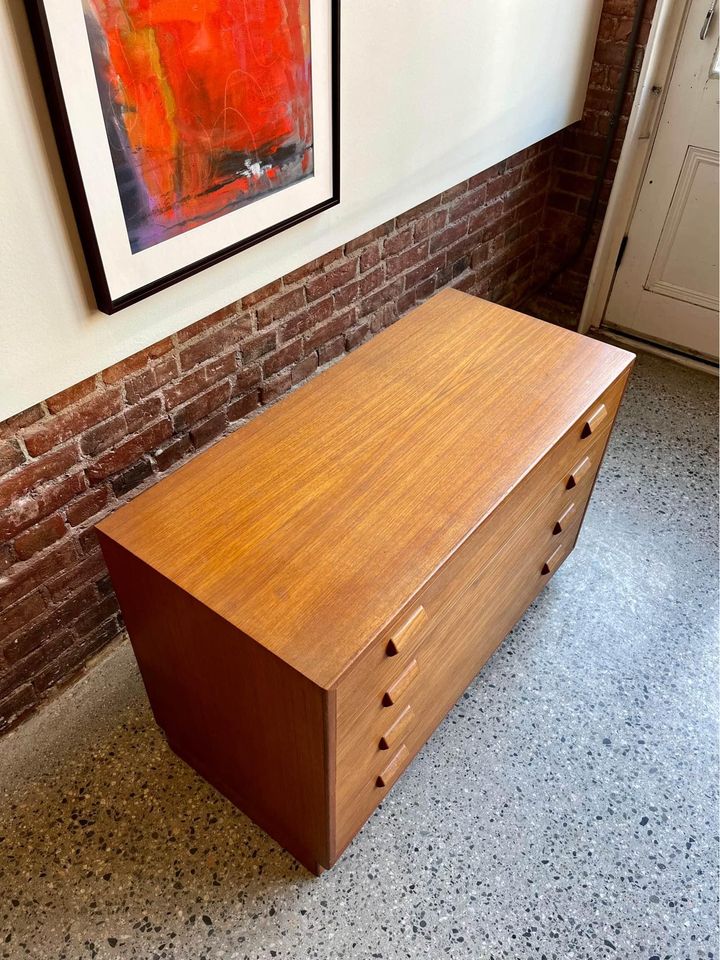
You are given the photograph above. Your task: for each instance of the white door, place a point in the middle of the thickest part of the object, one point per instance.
(666, 288)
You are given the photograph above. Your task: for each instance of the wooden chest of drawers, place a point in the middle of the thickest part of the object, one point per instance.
(309, 598)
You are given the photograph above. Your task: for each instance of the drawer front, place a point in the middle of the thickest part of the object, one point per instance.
(564, 466)
(378, 735)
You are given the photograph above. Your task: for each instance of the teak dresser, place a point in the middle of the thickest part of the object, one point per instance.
(308, 598)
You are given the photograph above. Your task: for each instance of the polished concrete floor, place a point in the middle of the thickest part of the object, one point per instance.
(566, 808)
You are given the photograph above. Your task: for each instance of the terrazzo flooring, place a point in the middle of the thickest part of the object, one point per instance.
(566, 808)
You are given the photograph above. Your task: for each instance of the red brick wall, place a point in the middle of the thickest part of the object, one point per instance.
(71, 459)
(577, 161)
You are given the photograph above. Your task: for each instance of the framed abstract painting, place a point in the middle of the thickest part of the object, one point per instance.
(188, 129)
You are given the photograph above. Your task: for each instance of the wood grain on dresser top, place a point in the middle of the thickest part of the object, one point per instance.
(310, 527)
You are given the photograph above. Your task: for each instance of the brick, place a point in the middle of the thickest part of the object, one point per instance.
(200, 407)
(319, 265)
(11, 455)
(152, 378)
(453, 193)
(209, 430)
(502, 185)
(194, 383)
(25, 577)
(128, 452)
(131, 477)
(371, 281)
(264, 293)
(430, 224)
(306, 319)
(216, 319)
(76, 576)
(406, 260)
(331, 280)
(15, 707)
(276, 387)
(425, 270)
(96, 615)
(258, 346)
(397, 242)
(485, 216)
(243, 405)
(35, 472)
(7, 558)
(24, 511)
(72, 422)
(67, 397)
(39, 536)
(24, 670)
(370, 257)
(9, 427)
(356, 336)
(283, 358)
(87, 541)
(280, 307)
(416, 212)
(246, 379)
(465, 205)
(448, 236)
(172, 453)
(407, 301)
(119, 371)
(302, 370)
(346, 295)
(141, 415)
(376, 300)
(331, 350)
(92, 503)
(72, 661)
(208, 347)
(330, 330)
(103, 435)
(22, 612)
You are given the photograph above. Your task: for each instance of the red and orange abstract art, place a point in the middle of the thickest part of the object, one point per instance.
(207, 105)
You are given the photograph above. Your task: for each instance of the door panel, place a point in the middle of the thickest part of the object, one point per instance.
(666, 288)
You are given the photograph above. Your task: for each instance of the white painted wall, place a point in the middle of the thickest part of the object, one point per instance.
(431, 94)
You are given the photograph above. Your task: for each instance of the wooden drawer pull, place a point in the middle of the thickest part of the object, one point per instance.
(594, 420)
(388, 776)
(553, 561)
(564, 519)
(393, 694)
(399, 638)
(397, 731)
(578, 473)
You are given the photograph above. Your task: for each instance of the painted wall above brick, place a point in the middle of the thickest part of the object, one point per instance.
(431, 94)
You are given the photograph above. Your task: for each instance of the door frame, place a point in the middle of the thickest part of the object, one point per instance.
(660, 55)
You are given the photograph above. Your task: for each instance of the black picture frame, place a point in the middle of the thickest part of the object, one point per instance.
(60, 120)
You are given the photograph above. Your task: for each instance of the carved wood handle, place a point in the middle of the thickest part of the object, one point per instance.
(387, 776)
(395, 733)
(564, 519)
(393, 693)
(553, 561)
(578, 473)
(594, 420)
(399, 638)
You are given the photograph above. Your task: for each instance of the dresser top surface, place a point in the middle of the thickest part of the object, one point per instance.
(311, 526)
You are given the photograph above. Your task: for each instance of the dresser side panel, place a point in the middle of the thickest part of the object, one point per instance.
(254, 727)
